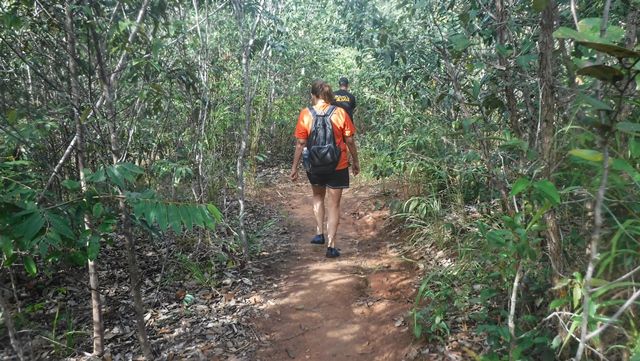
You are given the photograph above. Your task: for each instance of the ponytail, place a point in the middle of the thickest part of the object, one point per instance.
(322, 91)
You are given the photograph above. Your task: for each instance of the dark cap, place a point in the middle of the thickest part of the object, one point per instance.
(343, 81)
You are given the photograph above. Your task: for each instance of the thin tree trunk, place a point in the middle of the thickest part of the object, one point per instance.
(96, 307)
(512, 105)
(547, 125)
(8, 322)
(247, 45)
(512, 309)
(241, 153)
(108, 85)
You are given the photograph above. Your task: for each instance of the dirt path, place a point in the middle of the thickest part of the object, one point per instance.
(350, 308)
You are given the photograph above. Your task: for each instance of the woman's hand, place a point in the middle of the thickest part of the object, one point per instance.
(355, 168)
(294, 175)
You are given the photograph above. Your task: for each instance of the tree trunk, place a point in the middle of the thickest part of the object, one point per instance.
(96, 307)
(246, 81)
(108, 85)
(547, 125)
(247, 45)
(8, 322)
(512, 104)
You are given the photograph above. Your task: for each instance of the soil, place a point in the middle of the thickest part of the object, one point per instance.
(355, 307)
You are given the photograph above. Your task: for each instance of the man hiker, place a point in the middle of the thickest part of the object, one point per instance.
(344, 99)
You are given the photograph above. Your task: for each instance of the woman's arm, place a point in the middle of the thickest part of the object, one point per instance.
(351, 144)
(297, 154)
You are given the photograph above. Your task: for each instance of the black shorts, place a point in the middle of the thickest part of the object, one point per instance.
(338, 179)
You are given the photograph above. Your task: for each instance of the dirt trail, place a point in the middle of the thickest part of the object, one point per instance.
(350, 308)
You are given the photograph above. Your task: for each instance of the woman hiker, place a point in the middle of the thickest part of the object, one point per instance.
(332, 183)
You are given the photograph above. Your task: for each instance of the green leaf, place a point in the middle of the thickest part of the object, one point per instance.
(594, 103)
(196, 215)
(97, 177)
(209, 222)
(624, 166)
(628, 127)
(576, 295)
(61, 225)
(93, 247)
(71, 184)
(163, 223)
(153, 211)
(519, 186)
(587, 154)
(185, 216)
(6, 245)
(602, 72)
(540, 5)
(30, 226)
(613, 50)
(213, 210)
(30, 265)
(568, 33)
(559, 302)
(98, 210)
(460, 42)
(173, 217)
(115, 176)
(548, 190)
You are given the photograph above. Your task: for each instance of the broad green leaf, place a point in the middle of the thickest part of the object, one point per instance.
(587, 154)
(71, 184)
(6, 245)
(602, 72)
(30, 226)
(93, 247)
(217, 216)
(115, 176)
(97, 177)
(559, 302)
(568, 33)
(196, 214)
(185, 216)
(613, 50)
(173, 217)
(594, 103)
(624, 166)
(61, 225)
(98, 210)
(548, 190)
(163, 223)
(132, 168)
(628, 127)
(153, 212)
(30, 265)
(209, 221)
(519, 186)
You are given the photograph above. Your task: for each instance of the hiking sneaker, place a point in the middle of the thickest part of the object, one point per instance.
(318, 239)
(332, 252)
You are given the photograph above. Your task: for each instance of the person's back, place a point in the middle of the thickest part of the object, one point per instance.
(344, 99)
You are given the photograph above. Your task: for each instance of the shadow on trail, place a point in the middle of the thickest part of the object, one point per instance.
(350, 308)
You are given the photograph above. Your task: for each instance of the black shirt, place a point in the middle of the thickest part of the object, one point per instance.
(346, 101)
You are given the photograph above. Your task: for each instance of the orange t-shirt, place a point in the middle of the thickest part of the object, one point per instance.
(342, 127)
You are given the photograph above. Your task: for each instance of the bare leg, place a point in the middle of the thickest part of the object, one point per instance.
(333, 215)
(318, 207)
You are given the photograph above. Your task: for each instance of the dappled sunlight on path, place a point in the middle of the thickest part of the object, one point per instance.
(354, 307)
